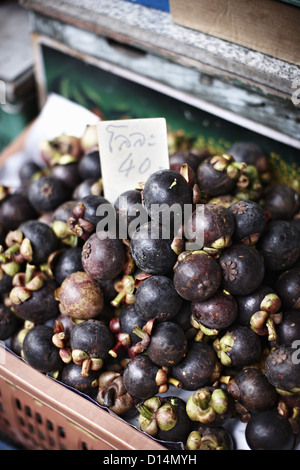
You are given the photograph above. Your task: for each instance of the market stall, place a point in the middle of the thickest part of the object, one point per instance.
(191, 84)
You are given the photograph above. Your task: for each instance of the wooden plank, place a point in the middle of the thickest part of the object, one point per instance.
(154, 31)
(268, 27)
(260, 114)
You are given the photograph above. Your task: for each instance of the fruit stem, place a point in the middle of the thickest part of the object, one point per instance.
(123, 341)
(29, 272)
(272, 334)
(145, 411)
(116, 302)
(175, 382)
(11, 251)
(202, 399)
(85, 367)
(139, 332)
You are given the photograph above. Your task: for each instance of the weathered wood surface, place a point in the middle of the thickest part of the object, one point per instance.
(153, 30)
(210, 73)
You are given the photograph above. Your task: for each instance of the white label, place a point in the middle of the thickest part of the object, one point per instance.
(130, 151)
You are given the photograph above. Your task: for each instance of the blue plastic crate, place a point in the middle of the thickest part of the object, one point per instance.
(157, 4)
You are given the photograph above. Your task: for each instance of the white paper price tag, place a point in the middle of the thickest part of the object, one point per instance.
(130, 151)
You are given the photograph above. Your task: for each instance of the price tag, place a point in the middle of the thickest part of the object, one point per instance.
(130, 151)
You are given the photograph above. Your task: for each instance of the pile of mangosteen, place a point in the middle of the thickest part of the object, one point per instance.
(185, 336)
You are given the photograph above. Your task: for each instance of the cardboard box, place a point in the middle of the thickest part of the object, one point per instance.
(267, 26)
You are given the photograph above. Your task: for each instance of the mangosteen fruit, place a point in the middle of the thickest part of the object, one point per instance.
(68, 174)
(208, 437)
(89, 213)
(144, 379)
(103, 256)
(89, 165)
(80, 296)
(90, 342)
(156, 297)
(288, 330)
(130, 212)
(112, 393)
(122, 327)
(64, 211)
(47, 193)
(242, 268)
(8, 322)
(28, 170)
(215, 313)
(165, 418)
(288, 288)
(218, 174)
(62, 148)
(282, 202)
(181, 157)
(68, 262)
(238, 346)
(210, 405)
(6, 281)
(261, 311)
(33, 296)
(39, 351)
(88, 187)
(86, 384)
(164, 189)
(151, 249)
(250, 153)
(268, 430)
(249, 221)
(200, 366)
(15, 209)
(165, 343)
(197, 275)
(252, 389)
(42, 240)
(282, 368)
(279, 245)
(211, 226)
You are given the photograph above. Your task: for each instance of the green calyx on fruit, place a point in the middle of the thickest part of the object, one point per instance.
(25, 283)
(19, 248)
(264, 321)
(208, 441)
(63, 232)
(204, 331)
(156, 414)
(226, 163)
(87, 363)
(203, 405)
(222, 346)
(125, 288)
